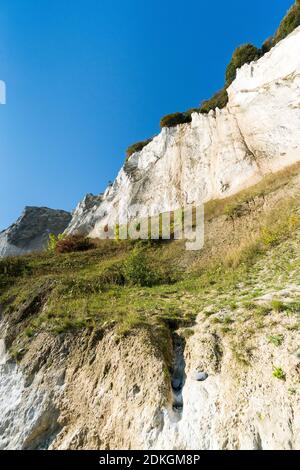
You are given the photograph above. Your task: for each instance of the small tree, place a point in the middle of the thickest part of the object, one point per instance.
(53, 240)
(137, 269)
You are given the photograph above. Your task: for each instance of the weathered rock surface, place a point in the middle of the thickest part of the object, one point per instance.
(217, 154)
(95, 389)
(83, 214)
(91, 392)
(31, 231)
(83, 391)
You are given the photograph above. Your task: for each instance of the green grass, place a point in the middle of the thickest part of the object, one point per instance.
(278, 305)
(159, 286)
(277, 340)
(278, 373)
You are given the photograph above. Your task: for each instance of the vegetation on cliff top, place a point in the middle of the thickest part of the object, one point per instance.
(137, 147)
(244, 54)
(248, 53)
(290, 22)
(219, 100)
(174, 119)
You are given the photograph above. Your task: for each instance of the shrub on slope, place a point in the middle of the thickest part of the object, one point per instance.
(242, 55)
(219, 100)
(175, 119)
(290, 22)
(137, 147)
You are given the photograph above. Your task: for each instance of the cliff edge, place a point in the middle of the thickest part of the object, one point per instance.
(216, 155)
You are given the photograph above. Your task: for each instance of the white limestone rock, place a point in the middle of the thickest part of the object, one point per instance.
(82, 215)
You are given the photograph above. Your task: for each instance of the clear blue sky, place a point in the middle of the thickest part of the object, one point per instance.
(86, 78)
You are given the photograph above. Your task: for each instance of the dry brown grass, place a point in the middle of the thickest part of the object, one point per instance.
(267, 185)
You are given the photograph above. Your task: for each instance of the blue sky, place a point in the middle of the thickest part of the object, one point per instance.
(87, 78)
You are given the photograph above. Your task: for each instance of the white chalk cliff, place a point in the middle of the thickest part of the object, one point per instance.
(214, 156)
(233, 380)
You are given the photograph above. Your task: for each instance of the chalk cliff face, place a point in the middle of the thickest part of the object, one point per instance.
(217, 154)
(31, 231)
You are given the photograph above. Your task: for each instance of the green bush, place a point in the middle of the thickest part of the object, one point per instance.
(137, 270)
(53, 239)
(137, 147)
(267, 45)
(219, 100)
(189, 112)
(172, 120)
(242, 55)
(290, 22)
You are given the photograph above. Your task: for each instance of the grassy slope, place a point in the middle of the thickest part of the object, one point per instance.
(60, 293)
